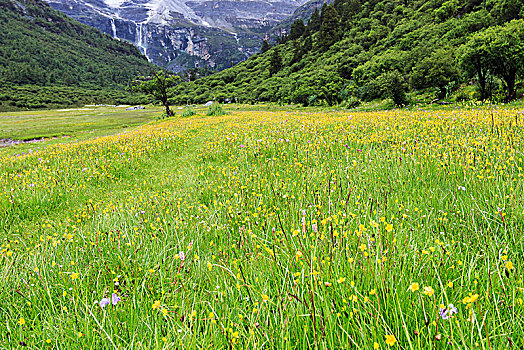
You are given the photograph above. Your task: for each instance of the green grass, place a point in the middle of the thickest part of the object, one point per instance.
(29, 125)
(44, 128)
(262, 229)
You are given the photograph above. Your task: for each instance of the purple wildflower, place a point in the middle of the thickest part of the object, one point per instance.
(104, 302)
(452, 309)
(115, 299)
(447, 313)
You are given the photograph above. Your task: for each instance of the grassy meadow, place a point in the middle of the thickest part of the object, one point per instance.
(71, 121)
(268, 229)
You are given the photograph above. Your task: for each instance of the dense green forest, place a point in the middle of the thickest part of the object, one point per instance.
(60, 58)
(16, 97)
(355, 50)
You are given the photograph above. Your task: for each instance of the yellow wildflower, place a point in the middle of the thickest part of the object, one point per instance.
(428, 291)
(391, 340)
(414, 287)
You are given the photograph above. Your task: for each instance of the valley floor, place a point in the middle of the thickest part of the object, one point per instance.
(277, 229)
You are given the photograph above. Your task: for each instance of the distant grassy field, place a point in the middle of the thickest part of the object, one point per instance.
(29, 125)
(89, 120)
(268, 229)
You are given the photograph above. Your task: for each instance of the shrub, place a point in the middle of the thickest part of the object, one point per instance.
(352, 102)
(188, 112)
(215, 109)
(392, 85)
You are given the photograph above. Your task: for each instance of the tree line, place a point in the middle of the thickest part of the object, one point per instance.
(355, 50)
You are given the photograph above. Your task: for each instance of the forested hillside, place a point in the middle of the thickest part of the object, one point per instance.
(357, 50)
(42, 47)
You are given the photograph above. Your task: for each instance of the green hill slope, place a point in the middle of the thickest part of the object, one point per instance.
(42, 47)
(379, 48)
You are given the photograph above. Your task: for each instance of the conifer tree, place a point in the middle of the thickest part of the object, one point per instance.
(297, 29)
(297, 52)
(329, 29)
(265, 46)
(275, 65)
(314, 22)
(307, 46)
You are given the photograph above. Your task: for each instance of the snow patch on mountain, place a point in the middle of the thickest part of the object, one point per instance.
(114, 3)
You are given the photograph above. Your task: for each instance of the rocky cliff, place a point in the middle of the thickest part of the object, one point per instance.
(184, 34)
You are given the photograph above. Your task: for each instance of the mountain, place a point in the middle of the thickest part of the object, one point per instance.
(39, 45)
(184, 34)
(361, 50)
(45, 48)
